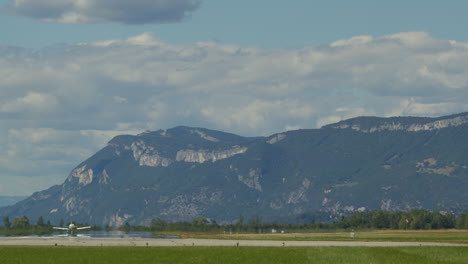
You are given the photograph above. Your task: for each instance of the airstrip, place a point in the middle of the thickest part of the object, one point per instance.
(148, 242)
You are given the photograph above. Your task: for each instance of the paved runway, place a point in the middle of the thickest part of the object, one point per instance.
(148, 242)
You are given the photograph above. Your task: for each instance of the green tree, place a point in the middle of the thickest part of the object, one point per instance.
(448, 221)
(461, 220)
(436, 221)
(158, 225)
(200, 221)
(255, 223)
(126, 227)
(20, 223)
(395, 219)
(416, 221)
(6, 221)
(466, 221)
(240, 223)
(404, 222)
(199, 224)
(380, 220)
(40, 221)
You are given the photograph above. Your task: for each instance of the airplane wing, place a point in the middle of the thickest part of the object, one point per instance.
(85, 227)
(60, 228)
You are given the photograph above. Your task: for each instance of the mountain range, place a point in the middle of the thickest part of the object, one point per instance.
(364, 163)
(9, 200)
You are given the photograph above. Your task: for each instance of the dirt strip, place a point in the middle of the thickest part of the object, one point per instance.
(146, 242)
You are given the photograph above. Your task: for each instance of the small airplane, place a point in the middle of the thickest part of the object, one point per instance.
(72, 229)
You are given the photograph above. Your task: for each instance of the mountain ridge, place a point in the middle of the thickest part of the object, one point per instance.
(401, 123)
(10, 200)
(182, 173)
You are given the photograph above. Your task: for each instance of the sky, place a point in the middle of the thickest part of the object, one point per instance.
(75, 73)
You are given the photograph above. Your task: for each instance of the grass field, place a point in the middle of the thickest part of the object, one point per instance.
(449, 236)
(414, 255)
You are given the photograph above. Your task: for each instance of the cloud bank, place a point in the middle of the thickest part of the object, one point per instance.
(105, 11)
(59, 105)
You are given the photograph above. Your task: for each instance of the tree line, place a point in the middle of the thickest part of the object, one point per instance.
(21, 226)
(414, 220)
(374, 219)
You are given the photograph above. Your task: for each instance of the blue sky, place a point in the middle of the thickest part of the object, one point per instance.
(264, 24)
(75, 73)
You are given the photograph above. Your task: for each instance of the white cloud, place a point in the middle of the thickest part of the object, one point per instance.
(34, 102)
(39, 135)
(354, 41)
(290, 128)
(120, 100)
(328, 120)
(40, 157)
(145, 39)
(101, 137)
(342, 114)
(105, 11)
(416, 40)
(60, 105)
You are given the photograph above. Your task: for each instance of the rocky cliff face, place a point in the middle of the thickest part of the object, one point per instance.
(183, 173)
(148, 155)
(405, 124)
(203, 155)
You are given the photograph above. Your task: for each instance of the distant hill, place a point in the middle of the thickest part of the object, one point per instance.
(10, 200)
(364, 163)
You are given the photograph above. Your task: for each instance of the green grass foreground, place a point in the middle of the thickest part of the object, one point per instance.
(257, 255)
